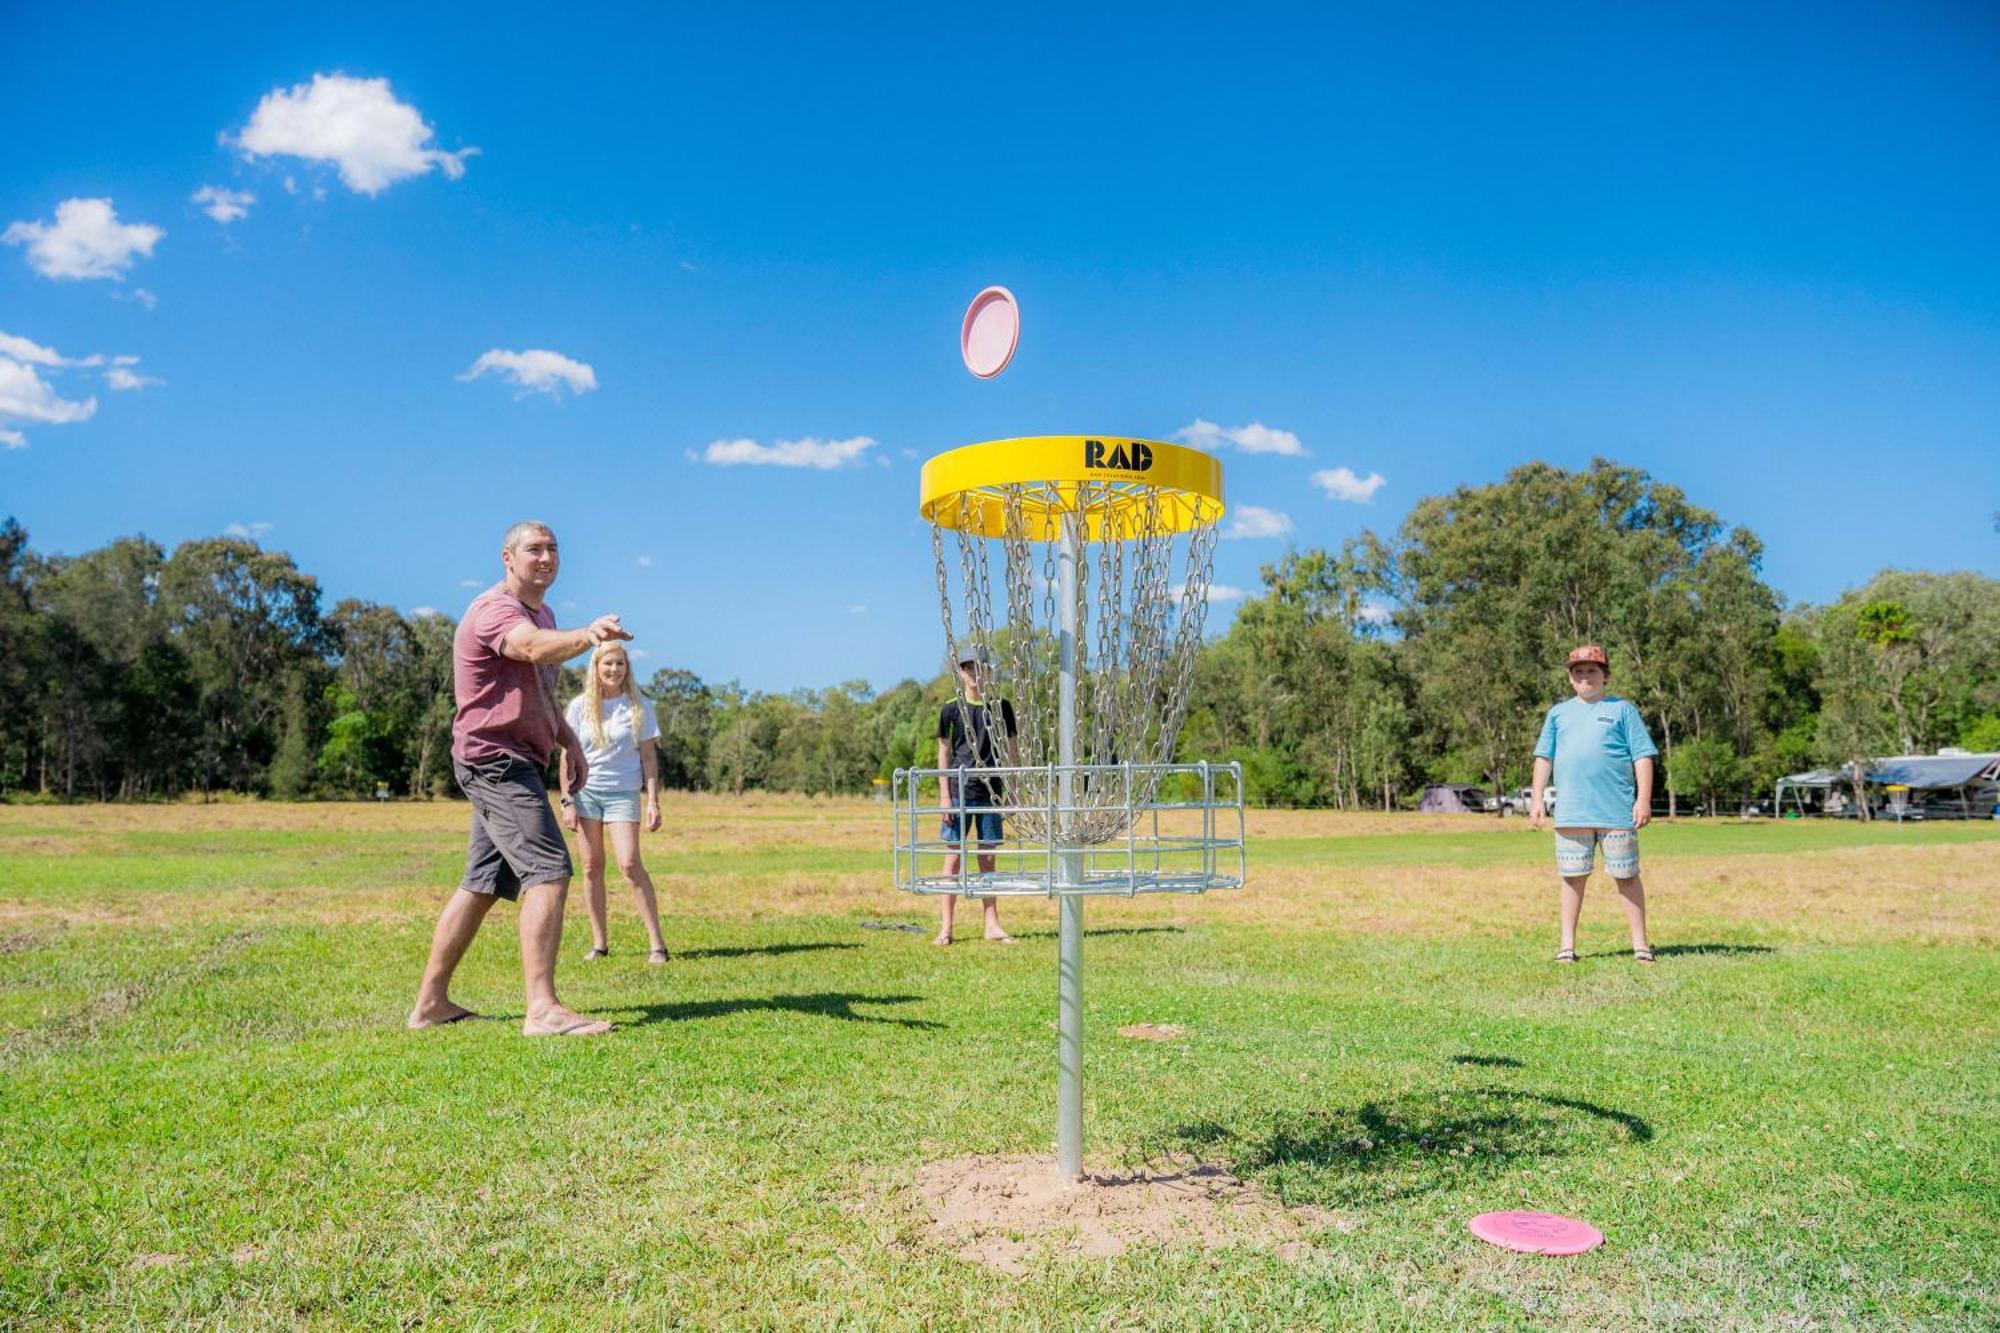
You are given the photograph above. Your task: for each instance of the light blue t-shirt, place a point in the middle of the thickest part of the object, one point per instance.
(1593, 747)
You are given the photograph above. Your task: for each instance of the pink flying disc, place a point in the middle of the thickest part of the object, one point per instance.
(1536, 1233)
(991, 331)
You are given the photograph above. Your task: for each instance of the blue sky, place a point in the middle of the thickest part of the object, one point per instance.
(1754, 250)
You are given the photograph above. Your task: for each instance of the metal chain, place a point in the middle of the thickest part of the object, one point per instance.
(1135, 665)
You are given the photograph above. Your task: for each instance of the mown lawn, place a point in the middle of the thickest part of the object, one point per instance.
(210, 1113)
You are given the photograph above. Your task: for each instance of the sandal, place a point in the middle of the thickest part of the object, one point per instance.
(1642, 955)
(656, 957)
(595, 954)
(1565, 955)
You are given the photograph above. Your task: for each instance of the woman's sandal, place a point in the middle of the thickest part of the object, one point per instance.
(1565, 955)
(656, 957)
(1642, 955)
(595, 954)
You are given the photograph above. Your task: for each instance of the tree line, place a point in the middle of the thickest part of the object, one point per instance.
(1354, 678)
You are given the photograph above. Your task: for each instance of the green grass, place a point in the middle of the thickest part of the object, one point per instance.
(1790, 1130)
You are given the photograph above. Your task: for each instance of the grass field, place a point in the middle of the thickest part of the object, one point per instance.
(210, 1112)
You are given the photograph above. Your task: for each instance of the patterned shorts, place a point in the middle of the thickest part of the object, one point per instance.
(1576, 851)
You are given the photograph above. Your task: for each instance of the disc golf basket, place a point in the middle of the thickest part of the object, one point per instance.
(1100, 551)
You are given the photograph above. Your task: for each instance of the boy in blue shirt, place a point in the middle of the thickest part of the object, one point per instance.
(1602, 758)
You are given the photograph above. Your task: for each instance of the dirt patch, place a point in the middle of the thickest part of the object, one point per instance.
(1151, 1031)
(1005, 1211)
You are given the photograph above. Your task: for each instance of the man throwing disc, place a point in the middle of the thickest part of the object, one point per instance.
(504, 660)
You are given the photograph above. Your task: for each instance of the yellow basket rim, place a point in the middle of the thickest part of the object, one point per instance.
(1120, 485)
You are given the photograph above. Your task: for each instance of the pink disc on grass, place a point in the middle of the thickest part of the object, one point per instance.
(990, 333)
(1536, 1233)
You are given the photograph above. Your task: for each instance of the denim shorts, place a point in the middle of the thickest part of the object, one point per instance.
(1576, 851)
(609, 807)
(985, 826)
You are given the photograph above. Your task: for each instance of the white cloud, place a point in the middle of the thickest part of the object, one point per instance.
(821, 455)
(1217, 592)
(28, 399)
(118, 377)
(645, 562)
(224, 205)
(1375, 613)
(1340, 483)
(33, 353)
(85, 241)
(356, 124)
(535, 371)
(140, 295)
(1255, 438)
(253, 531)
(419, 612)
(858, 609)
(470, 583)
(1254, 522)
(637, 654)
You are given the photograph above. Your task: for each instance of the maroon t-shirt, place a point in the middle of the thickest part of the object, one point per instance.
(505, 707)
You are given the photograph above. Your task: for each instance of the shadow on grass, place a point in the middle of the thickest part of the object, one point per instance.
(820, 1004)
(751, 950)
(1409, 1145)
(1108, 930)
(1488, 1061)
(1689, 951)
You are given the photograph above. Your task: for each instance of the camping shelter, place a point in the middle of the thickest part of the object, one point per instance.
(1939, 786)
(1452, 798)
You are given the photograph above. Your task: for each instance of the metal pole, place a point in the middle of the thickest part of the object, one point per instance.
(1069, 973)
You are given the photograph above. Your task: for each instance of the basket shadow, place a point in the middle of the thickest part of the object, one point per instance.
(1409, 1145)
(818, 1004)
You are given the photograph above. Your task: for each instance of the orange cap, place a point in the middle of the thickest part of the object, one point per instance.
(1590, 653)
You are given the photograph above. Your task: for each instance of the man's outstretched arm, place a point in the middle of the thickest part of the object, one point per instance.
(552, 647)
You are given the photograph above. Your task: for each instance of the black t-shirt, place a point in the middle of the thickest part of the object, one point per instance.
(968, 729)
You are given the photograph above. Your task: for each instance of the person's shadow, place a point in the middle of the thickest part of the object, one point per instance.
(818, 1004)
(1690, 951)
(765, 950)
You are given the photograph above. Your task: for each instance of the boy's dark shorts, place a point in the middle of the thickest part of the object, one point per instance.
(516, 842)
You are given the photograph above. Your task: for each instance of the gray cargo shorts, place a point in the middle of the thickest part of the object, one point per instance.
(516, 842)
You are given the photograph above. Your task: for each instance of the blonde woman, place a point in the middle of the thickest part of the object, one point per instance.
(620, 736)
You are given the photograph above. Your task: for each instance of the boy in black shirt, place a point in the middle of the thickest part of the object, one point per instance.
(966, 744)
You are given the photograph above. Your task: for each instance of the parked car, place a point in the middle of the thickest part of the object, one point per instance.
(1523, 800)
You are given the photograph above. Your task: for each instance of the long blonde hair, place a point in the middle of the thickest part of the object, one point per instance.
(593, 694)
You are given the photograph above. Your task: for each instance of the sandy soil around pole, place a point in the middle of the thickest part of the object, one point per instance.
(1005, 1211)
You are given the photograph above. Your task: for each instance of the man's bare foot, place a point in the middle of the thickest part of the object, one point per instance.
(942, 940)
(437, 1016)
(557, 1021)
